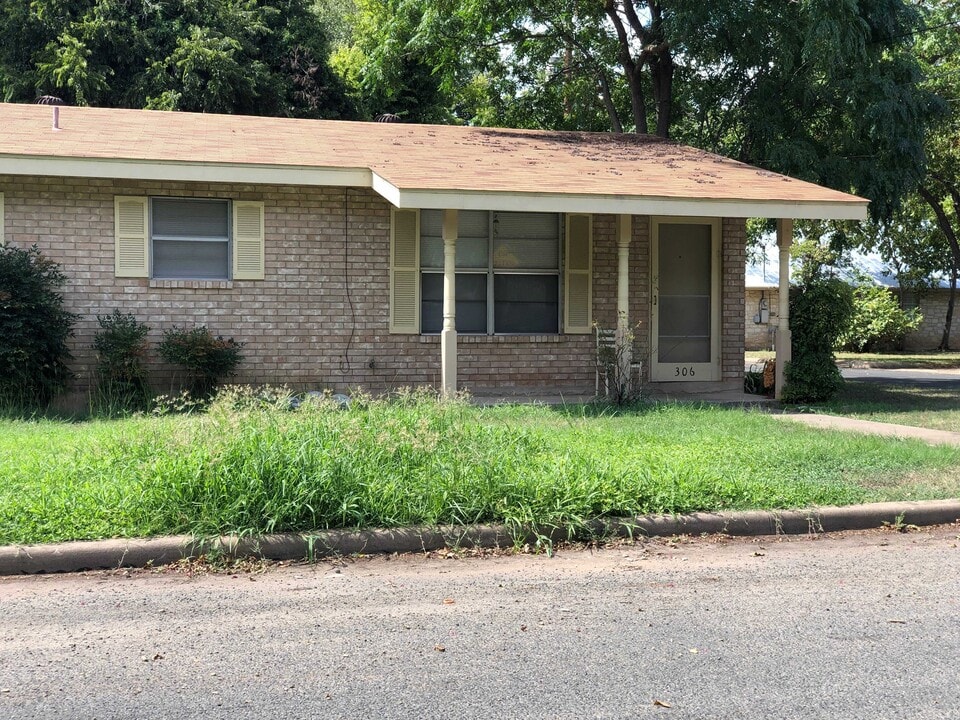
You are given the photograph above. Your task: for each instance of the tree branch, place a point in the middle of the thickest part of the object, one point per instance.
(942, 220)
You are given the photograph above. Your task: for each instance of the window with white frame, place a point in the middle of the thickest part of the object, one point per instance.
(507, 272)
(190, 238)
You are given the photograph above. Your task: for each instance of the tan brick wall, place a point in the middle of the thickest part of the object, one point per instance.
(733, 264)
(760, 336)
(319, 319)
(933, 307)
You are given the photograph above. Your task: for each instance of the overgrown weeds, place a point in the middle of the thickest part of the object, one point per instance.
(250, 464)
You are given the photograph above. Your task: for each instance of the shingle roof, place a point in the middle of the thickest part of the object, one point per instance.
(448, 166)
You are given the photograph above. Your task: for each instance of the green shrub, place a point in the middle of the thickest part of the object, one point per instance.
(206, 358)
(34, 328)
(819, 311)
(121, 346)
(878, 322)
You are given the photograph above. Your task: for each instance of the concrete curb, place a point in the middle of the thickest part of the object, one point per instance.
(107, 554)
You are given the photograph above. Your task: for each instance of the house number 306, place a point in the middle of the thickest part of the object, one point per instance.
(683, 371)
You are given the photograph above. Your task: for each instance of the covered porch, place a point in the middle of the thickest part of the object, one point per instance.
(664, 292)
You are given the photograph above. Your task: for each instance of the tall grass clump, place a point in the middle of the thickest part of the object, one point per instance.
(408, 460)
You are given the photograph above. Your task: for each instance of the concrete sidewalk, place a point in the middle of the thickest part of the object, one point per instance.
(869, 427)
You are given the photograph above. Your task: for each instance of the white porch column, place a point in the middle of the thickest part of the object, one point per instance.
(448, 335)
(624, 347)
(783, 348)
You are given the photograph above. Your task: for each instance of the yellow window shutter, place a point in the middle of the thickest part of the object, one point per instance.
(247, 240)
(405, 271)
(578, 275)
(130, 227)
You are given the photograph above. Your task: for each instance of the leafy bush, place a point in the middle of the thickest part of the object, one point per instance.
(34, 328)
(878, 322)
(206, 358)
(819, 311)
(121, 345)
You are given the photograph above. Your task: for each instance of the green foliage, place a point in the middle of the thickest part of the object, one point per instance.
(206, 358)
(231, 56)
(826, 91)
(34, 328)
(121, 347)
(820, 309)
(386, 69)
(877, 322)
(413, 461)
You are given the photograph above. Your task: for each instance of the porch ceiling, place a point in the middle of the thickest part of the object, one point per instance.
(417, 166)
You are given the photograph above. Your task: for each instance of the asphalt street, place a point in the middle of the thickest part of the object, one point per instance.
(856, 625)
(929, 378)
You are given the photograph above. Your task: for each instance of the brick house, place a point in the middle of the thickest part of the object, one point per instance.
(381, 255)
(762, 298)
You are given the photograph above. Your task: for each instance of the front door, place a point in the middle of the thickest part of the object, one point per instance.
(686, 300)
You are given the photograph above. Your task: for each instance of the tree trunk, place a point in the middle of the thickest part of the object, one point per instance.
(662, 71)
(657, 55)
(639, 104)
(632, 70)
(615, 124)
(945, 341)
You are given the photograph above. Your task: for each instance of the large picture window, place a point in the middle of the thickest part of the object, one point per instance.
(190, 239)
(507, 272)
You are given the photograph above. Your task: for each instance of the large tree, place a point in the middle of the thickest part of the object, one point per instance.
(939, 50)
(822, 90)
(263, 57)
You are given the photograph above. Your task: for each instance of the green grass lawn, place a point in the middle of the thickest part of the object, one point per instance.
(938, 409)
(414, 461)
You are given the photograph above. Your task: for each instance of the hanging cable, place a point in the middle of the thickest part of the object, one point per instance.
(345, 358)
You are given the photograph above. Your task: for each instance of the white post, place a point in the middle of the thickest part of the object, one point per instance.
(448, 335)
(624, 349)
(783, 348)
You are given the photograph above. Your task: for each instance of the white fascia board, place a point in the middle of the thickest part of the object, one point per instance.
(618, 204)
(387, 190)
(184, 171)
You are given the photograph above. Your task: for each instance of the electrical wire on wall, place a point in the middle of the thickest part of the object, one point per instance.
(345, 358)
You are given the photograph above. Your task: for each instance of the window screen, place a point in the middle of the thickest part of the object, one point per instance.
(685, 274)
(523, 270)
(473, 239)
(471, 302)
(190, 238)
(526, 303)
(528, 241)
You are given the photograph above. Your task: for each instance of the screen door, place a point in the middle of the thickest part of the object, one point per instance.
(685, 300)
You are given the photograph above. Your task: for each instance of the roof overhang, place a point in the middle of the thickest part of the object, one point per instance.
(457, 199)
(615, 204)
(126, 169)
